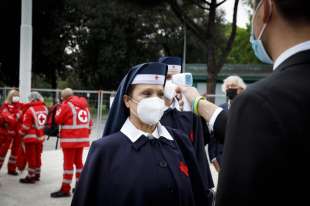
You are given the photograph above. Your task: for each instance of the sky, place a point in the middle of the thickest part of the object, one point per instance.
(243, 12)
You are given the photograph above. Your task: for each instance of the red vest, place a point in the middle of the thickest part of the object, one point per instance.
(73, 116)
(10, 114)
(34, 119)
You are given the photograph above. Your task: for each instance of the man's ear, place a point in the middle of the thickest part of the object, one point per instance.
(126, 100)
(267, 4)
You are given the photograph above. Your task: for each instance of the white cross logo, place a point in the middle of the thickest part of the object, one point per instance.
(82, 115)
(41, 119)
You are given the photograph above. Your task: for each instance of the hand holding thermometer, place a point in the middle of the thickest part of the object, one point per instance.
(184, 79)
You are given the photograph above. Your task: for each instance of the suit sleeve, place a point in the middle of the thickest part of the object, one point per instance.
(212, 148)
(219, 128)
(252, 149)
(91, 180)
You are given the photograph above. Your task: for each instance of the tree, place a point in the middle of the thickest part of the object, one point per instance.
(112, 40)
(207, 34)
(50, 20)
(113, 36)
(242, 52)
(9, 41)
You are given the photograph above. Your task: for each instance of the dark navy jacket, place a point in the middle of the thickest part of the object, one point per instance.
(215, 148)
(197, 132)
(144, 173)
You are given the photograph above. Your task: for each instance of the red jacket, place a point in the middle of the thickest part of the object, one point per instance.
(10, 118)
(33, 123)
(73, 116)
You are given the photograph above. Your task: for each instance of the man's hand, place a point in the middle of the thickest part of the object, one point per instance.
(180, 101)
(190, 93)
(205, 108)
(216, 165)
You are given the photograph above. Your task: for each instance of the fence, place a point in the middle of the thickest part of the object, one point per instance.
(99, 102)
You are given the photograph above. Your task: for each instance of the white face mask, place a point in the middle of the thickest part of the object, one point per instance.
(150, 110)
(15, 99)
(169, 91)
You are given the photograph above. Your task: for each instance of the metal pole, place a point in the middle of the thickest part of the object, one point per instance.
(184, 49)
(98, 109)
(101, 106)
(25, 58)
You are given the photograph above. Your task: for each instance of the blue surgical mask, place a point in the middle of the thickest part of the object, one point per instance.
(258, 46)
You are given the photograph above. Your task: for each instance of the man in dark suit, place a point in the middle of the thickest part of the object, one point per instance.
(267, 132)
(232, 86)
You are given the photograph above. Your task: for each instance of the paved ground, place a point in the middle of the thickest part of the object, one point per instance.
(12, 193)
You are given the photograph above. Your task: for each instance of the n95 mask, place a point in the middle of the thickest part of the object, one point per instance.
(150, 110)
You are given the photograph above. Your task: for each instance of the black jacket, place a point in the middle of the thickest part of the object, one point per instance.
(267, 140)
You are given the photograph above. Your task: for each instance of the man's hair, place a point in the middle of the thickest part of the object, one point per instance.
(233, 79)
(294, 10)
(291, 10)
(67, 92)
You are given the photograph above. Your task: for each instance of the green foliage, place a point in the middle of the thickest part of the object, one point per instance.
(242, 52)
(112, 36)
(112, 43)
(49, 21)
(91, 44)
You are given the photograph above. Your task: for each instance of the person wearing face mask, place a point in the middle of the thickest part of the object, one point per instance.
(268, 123)
(186, 121)
(10, 113)
(139, 161)
(32, 132)
(232, 86)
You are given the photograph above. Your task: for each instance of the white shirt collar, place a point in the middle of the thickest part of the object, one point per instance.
(290, 52)
(134, 134)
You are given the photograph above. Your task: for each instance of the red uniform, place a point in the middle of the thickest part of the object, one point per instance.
(9, 125)
(73, 116)
(32, 131)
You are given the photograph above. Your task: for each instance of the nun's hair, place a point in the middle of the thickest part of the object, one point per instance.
(130, 89)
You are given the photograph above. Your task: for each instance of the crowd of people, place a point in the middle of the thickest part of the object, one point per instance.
(152, 151)
(25, 126)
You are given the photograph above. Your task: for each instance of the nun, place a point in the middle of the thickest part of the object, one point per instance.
(140, 162)
(185, 120)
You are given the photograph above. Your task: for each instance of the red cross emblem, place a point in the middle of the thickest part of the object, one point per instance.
(41, 119)
(183, 168)
(82, 115)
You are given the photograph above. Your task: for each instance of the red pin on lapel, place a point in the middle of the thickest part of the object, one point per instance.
(183, 168)
(191, 136)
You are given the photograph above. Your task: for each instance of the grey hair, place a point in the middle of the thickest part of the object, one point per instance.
(35, 96)
(67, 92)
(236, 79)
